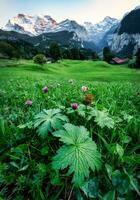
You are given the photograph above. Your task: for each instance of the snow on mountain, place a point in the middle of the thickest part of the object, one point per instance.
(72, 26)
(36, 25)
(31, 25)
(97, 31)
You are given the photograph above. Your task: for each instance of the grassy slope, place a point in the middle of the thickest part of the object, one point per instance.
(67, 69)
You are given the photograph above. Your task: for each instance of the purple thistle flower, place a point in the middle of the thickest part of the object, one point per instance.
(28, 103)
(74, 106)
(45, 89)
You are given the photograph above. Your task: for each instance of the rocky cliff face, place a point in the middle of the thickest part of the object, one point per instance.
(127, 34)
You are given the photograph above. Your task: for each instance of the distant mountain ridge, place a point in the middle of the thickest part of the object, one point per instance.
(119, 35)
(37, 25)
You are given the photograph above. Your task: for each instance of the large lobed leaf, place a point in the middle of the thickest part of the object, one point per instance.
(49, 120)
(102, 118)
(79, 153)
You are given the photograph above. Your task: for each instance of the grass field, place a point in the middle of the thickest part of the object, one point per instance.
(85, 144)
(79, 70)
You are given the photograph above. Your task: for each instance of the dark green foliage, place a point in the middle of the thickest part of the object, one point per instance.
(137, 63)
(75, 53)
(107, 55)
(54, 51)
(8, 50)
(130, 23)
(79, 54)
(40, 59)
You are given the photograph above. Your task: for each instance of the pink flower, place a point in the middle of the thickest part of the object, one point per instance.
(28, 103)
(74, 106)
(45, 89)
(84, 89)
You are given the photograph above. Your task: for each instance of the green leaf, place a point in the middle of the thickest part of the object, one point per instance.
(42, 169)
(119, 150)
(2, 126)
(23, 168)
(55, 178)
(109, 170)
(27, 125)
(49, 120)
(135, 185)
(126, 139)
(109, 196)
(102, 119)
(90, 188)
(120, 181)
(133, 182)
(79, 153)
(44, 151)
(127, 117)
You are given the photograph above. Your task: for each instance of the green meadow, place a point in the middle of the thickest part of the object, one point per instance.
(66, 69)
(60, 140)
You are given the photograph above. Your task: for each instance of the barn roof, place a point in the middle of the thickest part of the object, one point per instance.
(120, 60)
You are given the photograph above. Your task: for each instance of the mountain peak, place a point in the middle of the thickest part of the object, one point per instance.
(137, 7)
(109, 19)
(32, 25)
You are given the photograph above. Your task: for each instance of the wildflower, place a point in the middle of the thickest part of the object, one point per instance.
(88, 99)
(70, 81)
(28, 103)
(84, 89)
(74, 106)
(45, 89)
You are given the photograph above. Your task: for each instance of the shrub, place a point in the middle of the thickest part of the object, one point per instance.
(40, 59)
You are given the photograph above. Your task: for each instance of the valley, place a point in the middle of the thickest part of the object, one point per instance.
(69, 101)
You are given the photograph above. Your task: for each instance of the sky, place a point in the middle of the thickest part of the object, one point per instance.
(79, 10)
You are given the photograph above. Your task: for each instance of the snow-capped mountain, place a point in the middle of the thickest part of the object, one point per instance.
(72, 26)
(36, 25)
(118, 35)
(31, 25)
(96, 32)
(127, 37)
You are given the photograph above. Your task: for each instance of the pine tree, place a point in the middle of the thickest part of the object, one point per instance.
(107, 54)
(54, 51)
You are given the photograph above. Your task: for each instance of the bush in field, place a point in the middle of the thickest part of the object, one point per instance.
(54, 51)
(107, 54)
(40, 59)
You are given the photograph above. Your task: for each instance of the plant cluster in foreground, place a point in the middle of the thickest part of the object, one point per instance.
(69, 141)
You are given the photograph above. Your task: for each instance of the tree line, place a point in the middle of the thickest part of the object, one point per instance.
(21, 49)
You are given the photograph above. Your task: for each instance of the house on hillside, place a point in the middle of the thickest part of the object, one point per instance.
(119, 61)
(50, 60)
